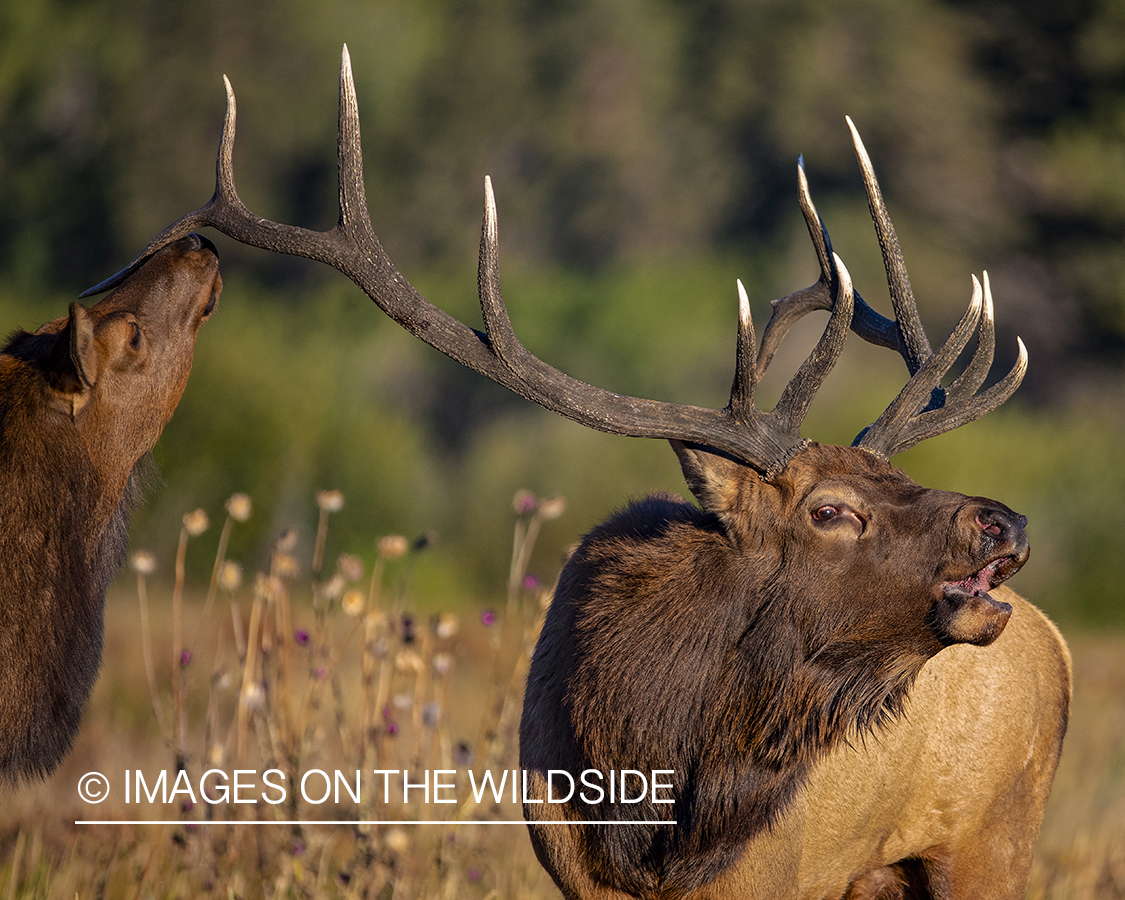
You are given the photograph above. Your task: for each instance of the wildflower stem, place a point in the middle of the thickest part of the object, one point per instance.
(146, 651)
(180, 736)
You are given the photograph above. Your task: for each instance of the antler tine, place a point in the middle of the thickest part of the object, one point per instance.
(745, 382)
(866, 322)
(802, 387)
(970, 380)
(901, 426)
(914, 346)
(225, 193)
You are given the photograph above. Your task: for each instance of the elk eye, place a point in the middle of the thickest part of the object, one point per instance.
(135, 338)
(826, 513)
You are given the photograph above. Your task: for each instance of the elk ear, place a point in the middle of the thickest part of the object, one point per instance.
(713, 477)
(83, 349)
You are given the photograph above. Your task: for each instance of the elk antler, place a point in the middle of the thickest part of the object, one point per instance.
(905, 422)
(766, 441)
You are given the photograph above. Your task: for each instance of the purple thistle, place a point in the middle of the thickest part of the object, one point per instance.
(488, 617)
(185, 658)
(302, 636)
(392, 728)
(530, 582)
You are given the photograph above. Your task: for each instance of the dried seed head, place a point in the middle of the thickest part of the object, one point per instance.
(286, 566)
(353, 602)
(334, 586)
(266, 586)
(350, 566)
(330, 501)
(443, 663)
(143, 562)
(445, 625)
(286, 541)
(230, 575)
(196, 522)
(409, 662)
(392, 546)
(552, 508)
(238, 507)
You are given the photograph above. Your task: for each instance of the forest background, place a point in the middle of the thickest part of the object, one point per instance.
(644, 157)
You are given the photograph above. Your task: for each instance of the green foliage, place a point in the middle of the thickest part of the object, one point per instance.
(643, 157)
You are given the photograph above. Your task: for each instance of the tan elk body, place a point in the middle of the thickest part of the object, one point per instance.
(82, 401)
(821, 651)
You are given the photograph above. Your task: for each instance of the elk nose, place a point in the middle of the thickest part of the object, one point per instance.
(1002, 524)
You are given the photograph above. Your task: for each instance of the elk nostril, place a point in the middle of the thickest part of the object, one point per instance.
(990, 523)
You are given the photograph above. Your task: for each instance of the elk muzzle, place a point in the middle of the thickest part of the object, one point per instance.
(966, 613)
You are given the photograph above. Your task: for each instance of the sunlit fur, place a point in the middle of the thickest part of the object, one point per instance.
(82, 401)
(742, 644)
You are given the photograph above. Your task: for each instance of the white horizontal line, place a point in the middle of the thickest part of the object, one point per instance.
(352, 822)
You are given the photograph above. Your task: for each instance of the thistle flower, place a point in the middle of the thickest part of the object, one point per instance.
(254, 696)
(330, 501)
(286, 566)
(524, 502)
(185, 658)
(350, 567)
(286, 541)
(266, 586)
(301, 636)
(196, 522)
(488, 618)
(333, 587)
(239, 507)
(396, 840)
(353, 602)
(392, 546)
(143, 562)
(230, 576)
(552, 507)
(443, 663)
(445, 625)
(409, 661)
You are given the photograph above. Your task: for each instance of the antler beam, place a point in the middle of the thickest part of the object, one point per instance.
(766, 441)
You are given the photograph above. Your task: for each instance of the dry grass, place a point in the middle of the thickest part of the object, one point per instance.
(316, 666)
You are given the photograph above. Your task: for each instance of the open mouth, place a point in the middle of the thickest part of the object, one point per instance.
(980, 583)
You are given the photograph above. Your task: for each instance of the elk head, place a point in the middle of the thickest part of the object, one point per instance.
(82, 400)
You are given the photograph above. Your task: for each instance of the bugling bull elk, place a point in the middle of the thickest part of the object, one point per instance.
(82, 401)
(804, 652)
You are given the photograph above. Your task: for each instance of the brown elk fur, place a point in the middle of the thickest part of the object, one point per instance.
(791, 672)
(82, 401)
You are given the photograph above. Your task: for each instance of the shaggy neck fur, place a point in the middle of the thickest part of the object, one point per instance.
(740, 719)
(58, 550)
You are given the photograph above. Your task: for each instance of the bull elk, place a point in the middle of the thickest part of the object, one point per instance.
(82, 401)
(820, 656)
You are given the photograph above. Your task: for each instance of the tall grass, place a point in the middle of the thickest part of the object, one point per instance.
(319, 676)
(320, 663)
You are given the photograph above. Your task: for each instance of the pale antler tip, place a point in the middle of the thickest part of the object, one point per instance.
(743, 302)
(857, 142)
(489, 201)
(843, 274)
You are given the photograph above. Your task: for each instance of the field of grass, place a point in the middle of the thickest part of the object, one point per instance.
(318, 667)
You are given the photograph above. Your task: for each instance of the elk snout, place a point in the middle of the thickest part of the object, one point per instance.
(1002, 537)
(966, 612)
